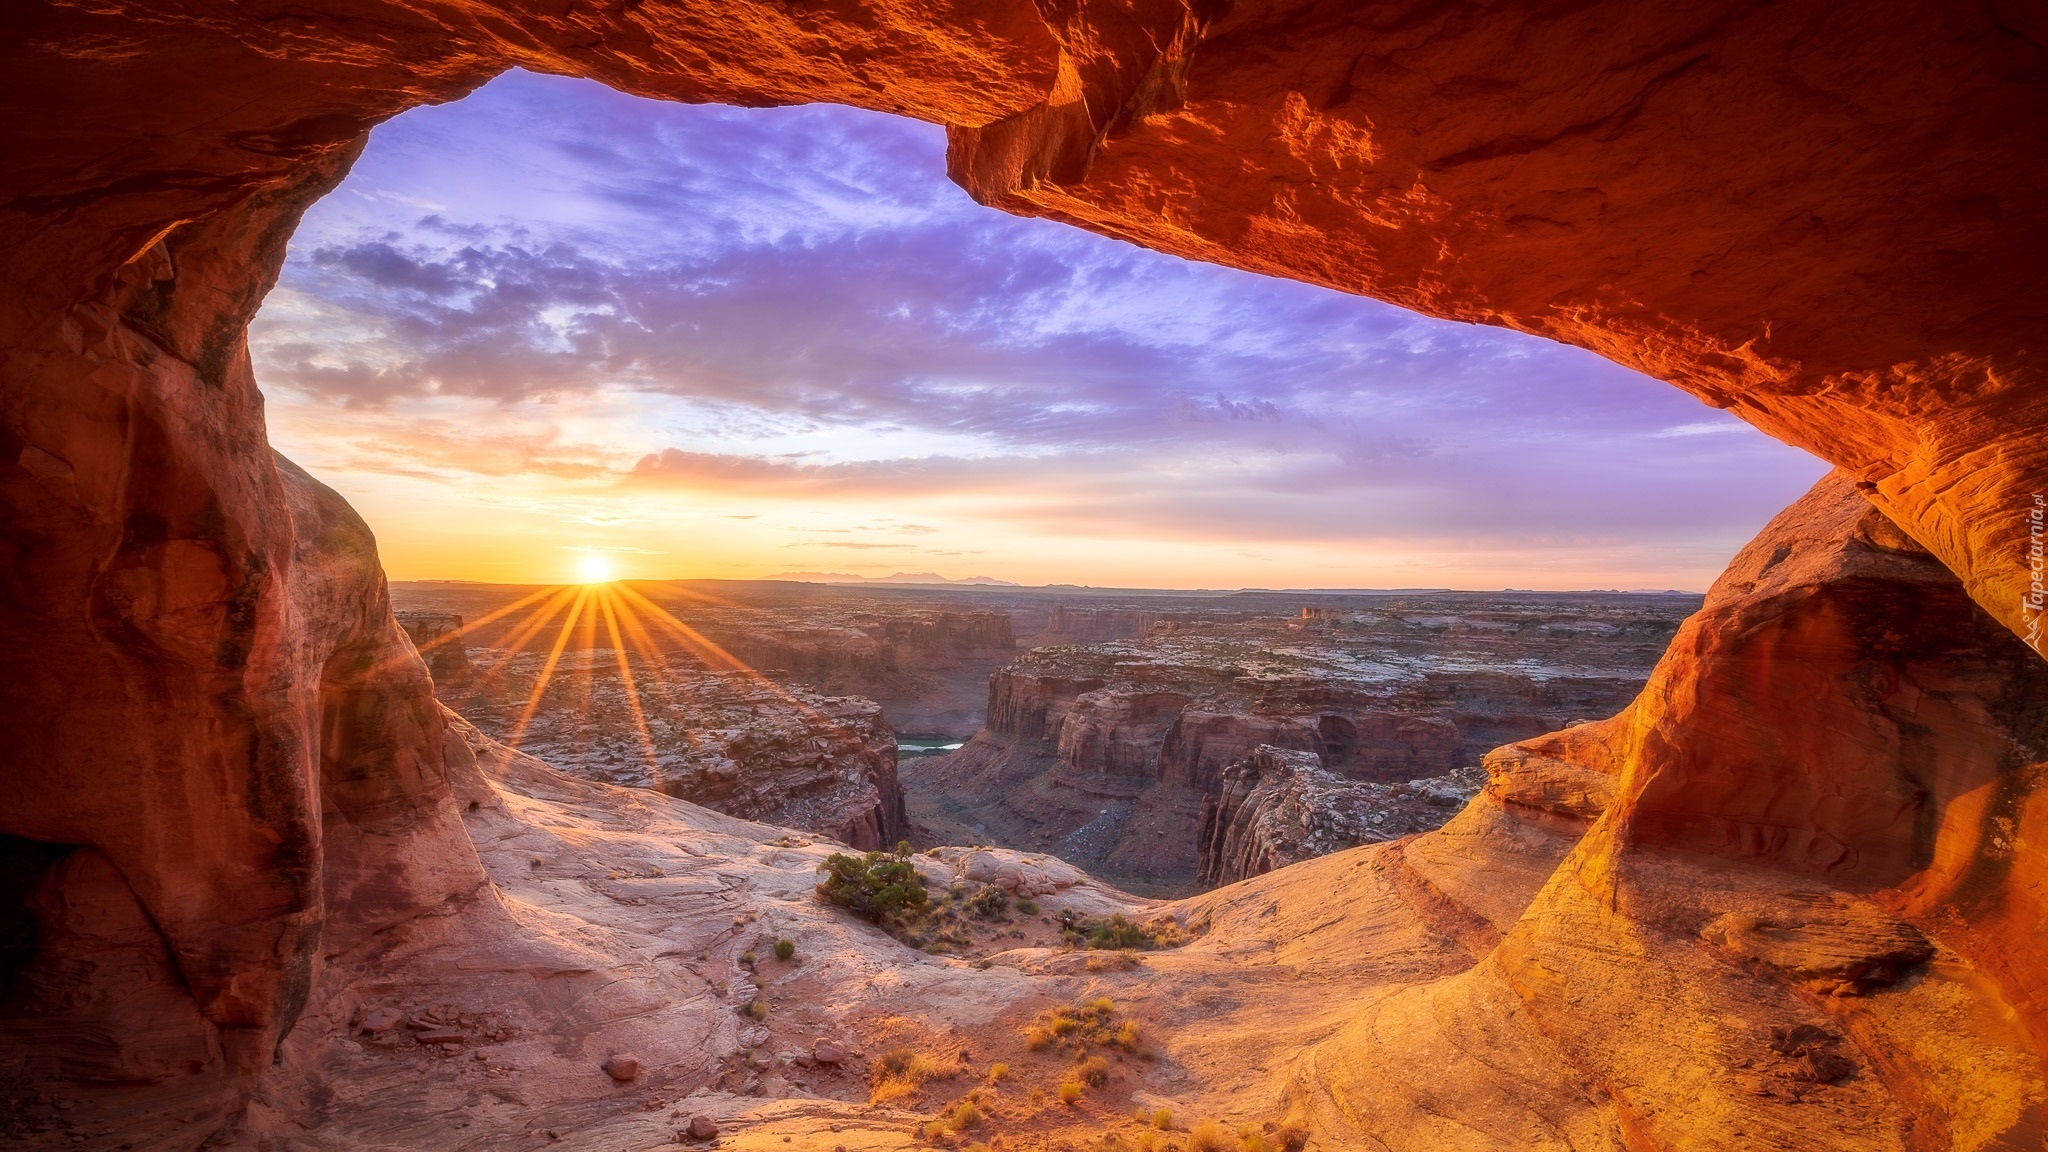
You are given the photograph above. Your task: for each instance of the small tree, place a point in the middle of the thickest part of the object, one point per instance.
(874, 886)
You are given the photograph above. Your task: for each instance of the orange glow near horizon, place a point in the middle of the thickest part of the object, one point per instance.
(625, 615)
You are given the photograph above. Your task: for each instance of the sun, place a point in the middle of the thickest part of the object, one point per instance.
(595, 569)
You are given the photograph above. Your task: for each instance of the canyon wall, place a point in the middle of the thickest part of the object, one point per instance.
(1816, 217)
(735, 741)
(1114, 755)
(1734, 929)
(1839, 709)
(1276, 808)
(926, 668)
(438, 637)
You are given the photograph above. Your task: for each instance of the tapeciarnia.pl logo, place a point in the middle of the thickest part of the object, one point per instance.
(2037, 591)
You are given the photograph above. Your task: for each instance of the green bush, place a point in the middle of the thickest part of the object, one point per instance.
(990, 902)
(785, 949)
(874, 886)
(1119, 931)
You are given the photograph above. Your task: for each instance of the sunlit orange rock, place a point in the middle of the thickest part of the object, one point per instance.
(226, 761)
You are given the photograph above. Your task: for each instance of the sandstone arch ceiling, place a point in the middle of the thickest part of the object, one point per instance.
(1815, 218)
(1825, 220)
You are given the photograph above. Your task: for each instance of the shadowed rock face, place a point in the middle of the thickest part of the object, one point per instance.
(1114, 755)
(1276, 808)
(733, 742)
(231, 766)
(1838, 709)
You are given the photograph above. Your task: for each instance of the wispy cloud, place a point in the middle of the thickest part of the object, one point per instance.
(639, 302)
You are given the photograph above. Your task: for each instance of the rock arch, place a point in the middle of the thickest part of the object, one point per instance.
(1823, 219)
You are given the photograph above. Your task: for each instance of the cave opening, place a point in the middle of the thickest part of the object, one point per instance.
(1790, 895)
(863, 443)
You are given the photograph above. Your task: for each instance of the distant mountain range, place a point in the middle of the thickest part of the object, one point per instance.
(898, 578)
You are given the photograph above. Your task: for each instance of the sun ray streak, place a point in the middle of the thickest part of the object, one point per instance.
(526, 630)
(607, 601)
(493, 616)
(547, 669)
(703, 645)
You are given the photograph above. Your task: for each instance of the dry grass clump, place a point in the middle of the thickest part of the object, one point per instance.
(1070, 1092)
(1120, 932)
(903, 1072)
(1094, 1071)
(965, 1115)
(1162, 1119)
(998, 1071)
(1089, 1024)
(1209, 1136)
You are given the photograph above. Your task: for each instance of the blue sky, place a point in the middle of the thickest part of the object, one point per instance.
(551, 321)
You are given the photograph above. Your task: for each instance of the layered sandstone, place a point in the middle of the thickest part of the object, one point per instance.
(926, 667)
(735, 742)
(1276, 808)
(1070, 624)
(438, 636)
(233, 776)
(1109, 753)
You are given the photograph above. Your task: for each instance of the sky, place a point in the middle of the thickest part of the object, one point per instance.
(552, 329)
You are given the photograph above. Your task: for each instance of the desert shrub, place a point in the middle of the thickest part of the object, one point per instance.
(1250, 1139)
(1028, 907)
(1092, 1023)
(874, 886)
(990, 902)
(997, 1072)
(1071, 1092)
(748, 958)
(1094, 1071)
(785, 949)
(1120, 931)
(964, 1116)
(1209, 1136)
(901, 1072)
(756, 1010)
(1162, 1119)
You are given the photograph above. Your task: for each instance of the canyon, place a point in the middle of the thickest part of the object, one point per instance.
(923, 654)
(738, 743)
(1110, 755)
(1106, 754)
(1790, 897)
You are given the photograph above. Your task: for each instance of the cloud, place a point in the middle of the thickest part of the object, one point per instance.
(641, 299)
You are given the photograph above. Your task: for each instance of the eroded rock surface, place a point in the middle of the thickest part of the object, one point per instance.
(736, 742)
(1107, 754)
(1276, 808)
(1757, 202)
(438, 636)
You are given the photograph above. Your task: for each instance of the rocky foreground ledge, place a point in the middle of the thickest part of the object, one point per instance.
(1577, 960)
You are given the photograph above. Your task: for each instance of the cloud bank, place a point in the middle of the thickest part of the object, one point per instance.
(643, 302)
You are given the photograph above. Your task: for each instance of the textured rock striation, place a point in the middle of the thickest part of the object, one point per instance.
(926, 667)
(1276, 808)
(1066, 624)
(234, 775)
(734, 742)
(1108, 754)
(438, 636)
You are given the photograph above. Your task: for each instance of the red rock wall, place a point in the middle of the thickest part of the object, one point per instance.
(1839, 708)
(1818, 216)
